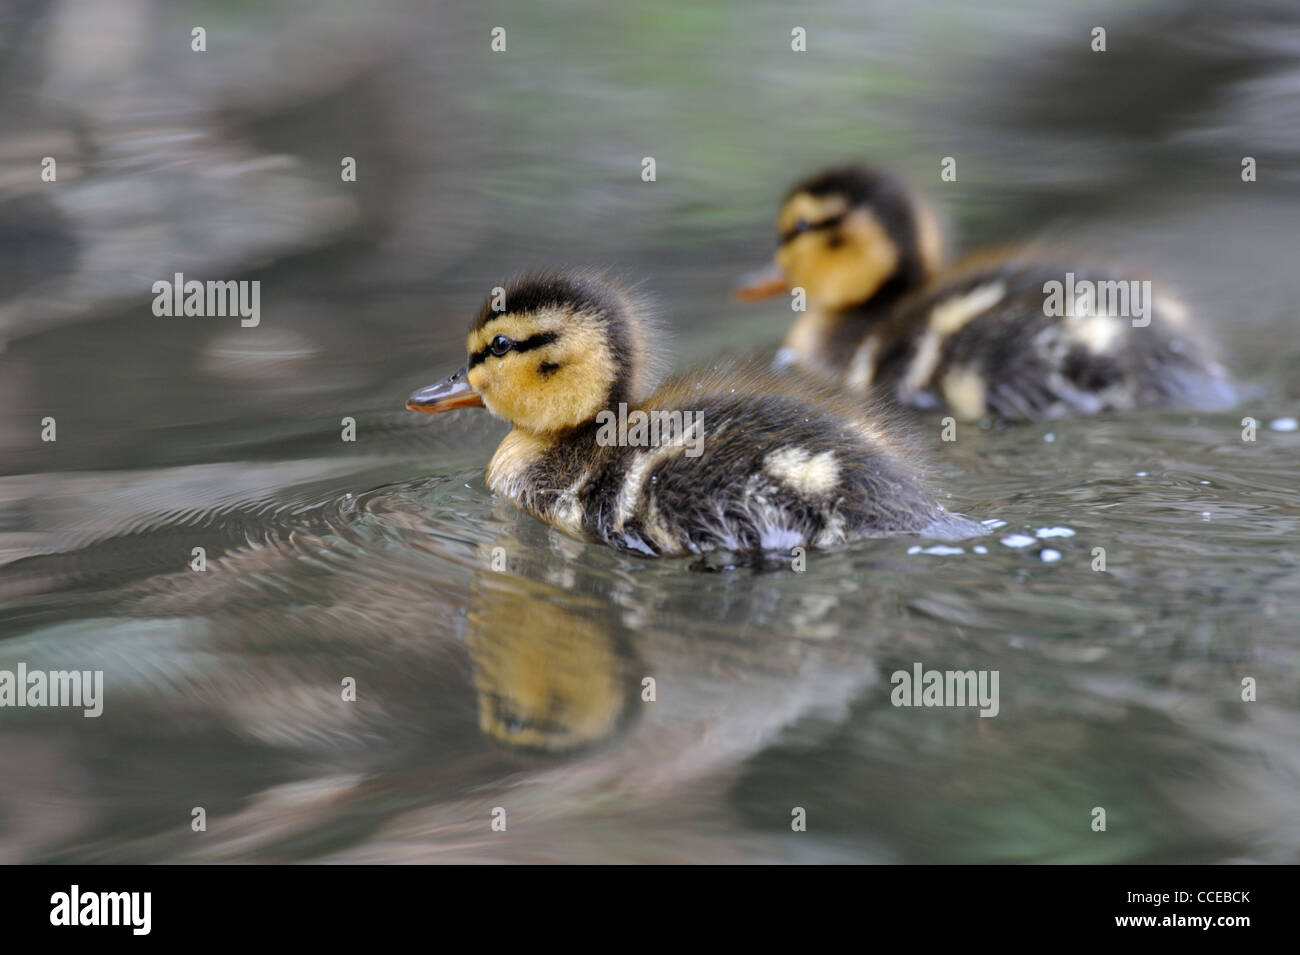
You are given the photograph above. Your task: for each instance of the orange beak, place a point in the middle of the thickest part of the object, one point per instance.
(764, 283)
(447, 395)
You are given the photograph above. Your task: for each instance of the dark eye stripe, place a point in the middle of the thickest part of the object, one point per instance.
(536, 341)
(528, 344)
(830, 223)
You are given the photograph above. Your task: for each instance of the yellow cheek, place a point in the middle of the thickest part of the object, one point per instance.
(786, 260)
(514, 389)
(839, 275)
(804, 261)
(810, 263)
(495, 382)
(514, 382)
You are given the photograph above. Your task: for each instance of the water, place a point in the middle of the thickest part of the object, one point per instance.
(500, 665)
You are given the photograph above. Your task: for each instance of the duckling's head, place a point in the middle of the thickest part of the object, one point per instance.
(848, 235)
(548, 351)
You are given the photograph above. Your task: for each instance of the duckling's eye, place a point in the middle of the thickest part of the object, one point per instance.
(500, 345)
(799, 228)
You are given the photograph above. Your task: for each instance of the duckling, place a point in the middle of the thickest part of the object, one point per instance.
(729, 458)
(1011, 335)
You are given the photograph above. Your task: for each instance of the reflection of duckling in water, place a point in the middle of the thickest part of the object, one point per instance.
(746, 461)
(992, 336)
(547, 679)
(536, 704)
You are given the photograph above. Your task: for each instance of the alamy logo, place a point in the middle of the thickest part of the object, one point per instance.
(924, 687)
(1122, 298)
(651, 429)
(210, 299)
(75, 907)
(83, 688)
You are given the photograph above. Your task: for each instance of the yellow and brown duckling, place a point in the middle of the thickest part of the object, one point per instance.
(1014, 335)
(729, 458)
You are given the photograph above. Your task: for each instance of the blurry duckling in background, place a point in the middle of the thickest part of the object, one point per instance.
(732, 459)
(1012, 335)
